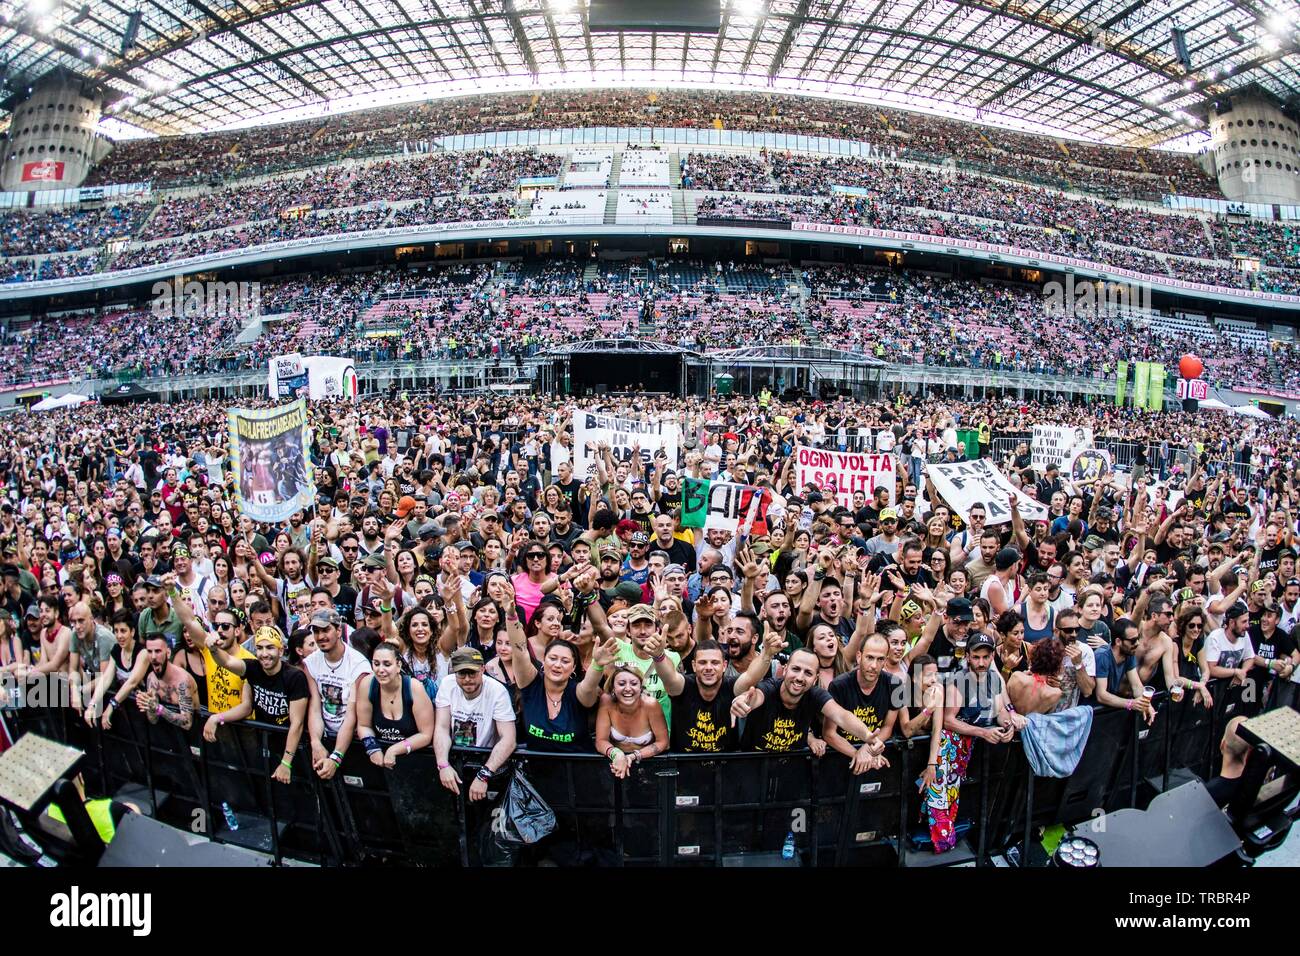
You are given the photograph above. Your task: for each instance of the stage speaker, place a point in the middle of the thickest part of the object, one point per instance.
(1190, 404)
(1180, 47)
(131, 32)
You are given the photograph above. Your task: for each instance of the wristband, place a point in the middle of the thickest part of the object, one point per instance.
(370, 743)
(598, 667)
(221, 720)
(484, 774)
(1129, 705)
(385, 608)
(408, 746)
(609, 753)
(337, 758)
(659, 658)
(112, 702)
(158, 711)
(286, 763)
(444, 766)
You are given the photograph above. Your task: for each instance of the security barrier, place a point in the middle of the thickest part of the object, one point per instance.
(674, 810)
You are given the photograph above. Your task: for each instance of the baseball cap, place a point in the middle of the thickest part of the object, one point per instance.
(959, 609)
(1257, 587)
(609, 551)
(889, 514)
(813, 497)
(154, 581)
(640, 537)
(1006, 558)
(976, 641)
(464, 545)
(674, 569)
(326, 617)
(640, 612)
(404, 506)
(374, 561)
(326, 562)
(466, 659)
(624, 591)
(1094, 543)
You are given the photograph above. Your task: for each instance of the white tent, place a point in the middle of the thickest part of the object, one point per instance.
(1214, 405)
(70, 400)
(1251, 410)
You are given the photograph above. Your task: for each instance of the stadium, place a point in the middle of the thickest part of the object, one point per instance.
(902, 393)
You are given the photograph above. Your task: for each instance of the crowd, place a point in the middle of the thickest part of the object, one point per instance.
(458, 584)
(478, 185)
(1120, 172)
(514, 308)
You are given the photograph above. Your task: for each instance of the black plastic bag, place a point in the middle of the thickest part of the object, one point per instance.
(523, 816)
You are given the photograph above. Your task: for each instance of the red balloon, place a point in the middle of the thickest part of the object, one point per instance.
(1190, 366)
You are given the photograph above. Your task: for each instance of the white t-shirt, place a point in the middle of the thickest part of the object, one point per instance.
(884, 440)
(336, 683)
(1220, 650)
(473, 722)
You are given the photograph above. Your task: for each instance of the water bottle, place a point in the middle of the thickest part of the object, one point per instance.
(787, 848)
(232, 821)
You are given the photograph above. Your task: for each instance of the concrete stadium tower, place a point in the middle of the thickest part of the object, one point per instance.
(52, 141)
(1256, 151)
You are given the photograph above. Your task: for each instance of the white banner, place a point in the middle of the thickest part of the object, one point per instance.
(286, 376)
(1056, 444)
(331, 378)
(318, 377)
(965, 484)
(591, 429)
(844, 472)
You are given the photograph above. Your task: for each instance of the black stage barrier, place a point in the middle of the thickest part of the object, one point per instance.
(674, 810)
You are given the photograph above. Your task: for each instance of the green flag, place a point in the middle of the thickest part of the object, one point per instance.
(1121, 380)
(1156, 387)
(1141, 372)
(695, 502)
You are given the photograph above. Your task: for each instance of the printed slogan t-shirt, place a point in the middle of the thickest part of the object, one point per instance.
(774, 728)
(704, 726)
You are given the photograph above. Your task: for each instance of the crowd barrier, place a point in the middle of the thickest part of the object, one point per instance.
(674, 810)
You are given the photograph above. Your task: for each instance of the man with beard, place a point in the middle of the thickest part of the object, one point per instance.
(702, 707)
(371, 539)
(740, 636)
(826, 596)
(957, 618)
(872, 697)
(779, 713)
(279, 693)
(775, 614)
(641, 627)
(611, 569)
(169, 691)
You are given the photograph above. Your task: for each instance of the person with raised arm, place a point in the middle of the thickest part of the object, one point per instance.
(557, 698)
(278, 694)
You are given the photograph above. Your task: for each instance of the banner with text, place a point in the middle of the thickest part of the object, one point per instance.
(592, 429)
(843, 473)
(1121, 380)
(1056, 444)
(965, 484)
(287, 376)
(1156, 387)
(1089, 464)
(726, 505)
(270, 460)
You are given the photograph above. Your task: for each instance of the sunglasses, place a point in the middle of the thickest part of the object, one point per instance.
(1195, 625)
(226, 627)
(1068, 630)
(535, 556)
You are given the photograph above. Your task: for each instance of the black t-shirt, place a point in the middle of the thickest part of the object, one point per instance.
(1269, 558)
(570, 491)
(345, 602)
(872, 709)
(566, 733)
(701, 726)
(1278, 644)
(844, 628)
(272, 694)
(774, 728)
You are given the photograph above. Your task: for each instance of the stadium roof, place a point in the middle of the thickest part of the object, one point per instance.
(1106, 70)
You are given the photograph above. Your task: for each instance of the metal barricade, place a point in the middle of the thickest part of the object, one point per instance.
(674, 810)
